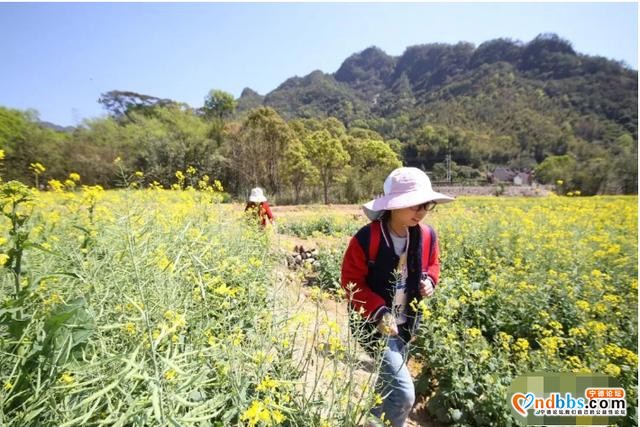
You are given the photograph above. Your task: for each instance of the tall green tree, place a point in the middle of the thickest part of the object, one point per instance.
(371, 161)
(297, 169)
(96, 144)
(172, 140)
(625, 165)
(120, 103)
(555, 168)
(257, 149)
(25, 141)
(329, 157)
(13, 131)
(219, 104)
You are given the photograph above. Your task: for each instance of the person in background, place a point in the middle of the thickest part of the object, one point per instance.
(258, 203)
(388, 267)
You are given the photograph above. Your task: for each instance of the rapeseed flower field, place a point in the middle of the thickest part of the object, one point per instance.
(167, 307)
(158, 307)
(527, 285)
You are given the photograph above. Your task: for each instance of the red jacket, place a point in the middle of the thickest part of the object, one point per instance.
(371, 291)
(263, 209)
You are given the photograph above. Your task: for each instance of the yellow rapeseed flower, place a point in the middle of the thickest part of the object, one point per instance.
(600, 309)
(300, 319)
(164, 263)
(575, 362)
(260, 357)
(556, 326)
(55, 298)
(521, 345)
(477, 295)
(256, 413)
(66, 378)
(177, 319)
(237, 338)
(255, 262)
(267, 384)
(170, 375)
(226, 291)
(630, 357)
(55, 185)
(474, 332)
(505, 340)
(613, 370)
(578, 332)
(597, 328)
(583, 305)
(130, 328)
(551, 345)
(278, 417)
(37, 168)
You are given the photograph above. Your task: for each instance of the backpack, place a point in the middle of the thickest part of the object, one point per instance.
(375, 235)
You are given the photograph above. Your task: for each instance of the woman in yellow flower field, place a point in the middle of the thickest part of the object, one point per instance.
(389, 266)
(258, 203)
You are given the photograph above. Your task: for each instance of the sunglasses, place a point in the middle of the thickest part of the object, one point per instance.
(429, 206)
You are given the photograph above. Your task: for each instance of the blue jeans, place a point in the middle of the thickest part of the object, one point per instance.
(395, 384)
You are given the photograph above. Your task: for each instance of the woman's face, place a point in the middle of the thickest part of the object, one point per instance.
(408, 217)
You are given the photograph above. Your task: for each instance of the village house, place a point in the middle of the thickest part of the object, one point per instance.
(504, 175)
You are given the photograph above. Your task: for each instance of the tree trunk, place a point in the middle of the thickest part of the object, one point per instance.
(326, 192)
(296, 190)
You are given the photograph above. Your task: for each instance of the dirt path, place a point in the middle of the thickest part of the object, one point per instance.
(300, 298)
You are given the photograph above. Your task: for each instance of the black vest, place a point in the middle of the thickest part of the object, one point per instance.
(381, 280)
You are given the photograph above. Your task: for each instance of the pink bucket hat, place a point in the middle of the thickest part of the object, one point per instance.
(403, 188)
(257, 196)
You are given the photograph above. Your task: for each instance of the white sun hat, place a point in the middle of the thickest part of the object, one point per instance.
(257, 195)
(403, 188)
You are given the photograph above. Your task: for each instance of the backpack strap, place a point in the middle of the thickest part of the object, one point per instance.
(375, 234)
(428, 239)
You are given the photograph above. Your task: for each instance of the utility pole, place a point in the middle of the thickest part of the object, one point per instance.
(448, 159)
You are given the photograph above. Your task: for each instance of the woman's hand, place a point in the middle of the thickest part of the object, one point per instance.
(426, 287)
(387, 325)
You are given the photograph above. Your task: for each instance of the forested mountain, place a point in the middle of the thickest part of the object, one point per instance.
(249, 99)
(537, 107)
(372, 84)
(503, 102)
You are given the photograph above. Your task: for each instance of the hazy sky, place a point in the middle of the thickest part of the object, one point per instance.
(59, 57)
